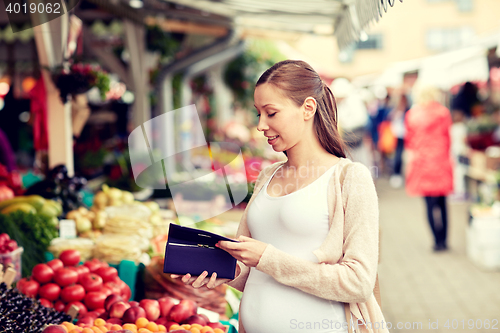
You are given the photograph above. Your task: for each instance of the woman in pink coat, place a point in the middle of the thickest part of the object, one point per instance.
(430, 172)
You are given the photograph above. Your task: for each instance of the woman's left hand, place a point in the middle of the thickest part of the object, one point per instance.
(248, 250)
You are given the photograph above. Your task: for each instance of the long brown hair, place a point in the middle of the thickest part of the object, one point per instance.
(298, 80)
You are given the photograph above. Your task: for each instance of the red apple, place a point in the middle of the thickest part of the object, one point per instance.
(166, 304)
(182, 311)
(86, 320)
(133, 303)
(93, 314)
(204, 316)
(104, 315)
(152, 308)
(132, 314)
(195, 319)
(217, 325)
(117, 309)
(110, 300)
(114, 321)
(54, 329)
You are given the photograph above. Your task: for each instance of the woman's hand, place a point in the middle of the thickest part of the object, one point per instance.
(248, 250)
(202, 280)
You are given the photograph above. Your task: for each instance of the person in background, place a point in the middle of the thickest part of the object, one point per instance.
(430, 172)
(458, 148)
(7, 156)
(467, 101)
(376, 118)
(397, 117)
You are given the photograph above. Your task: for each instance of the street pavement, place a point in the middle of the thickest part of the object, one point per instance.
(422, 289)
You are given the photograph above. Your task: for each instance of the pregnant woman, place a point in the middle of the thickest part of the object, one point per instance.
(308, 239)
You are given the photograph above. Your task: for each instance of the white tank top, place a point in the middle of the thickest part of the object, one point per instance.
(296, 223)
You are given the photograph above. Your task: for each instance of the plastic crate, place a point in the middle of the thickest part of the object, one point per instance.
(14, 258)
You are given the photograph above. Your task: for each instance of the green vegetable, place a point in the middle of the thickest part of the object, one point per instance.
(31, 231)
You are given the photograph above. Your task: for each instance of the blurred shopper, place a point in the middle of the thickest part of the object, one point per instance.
(397, 117)
(429, 171)
(7, 156)
(377, 127)
(458, 148)
(467, 101)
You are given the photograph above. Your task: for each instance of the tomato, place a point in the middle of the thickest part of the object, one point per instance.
(28, 287)
(114, 287)
(106, 291)
(46, 302)
(91, 282)
(42, 273)
(107, 273)
(66, 276)
(72, 293)
(55, 264)
(81, 270)
(95, 264)
(59, 306)
(82, 310)
(70, 257)
(95, 300)
(50, 291)
(126, 293)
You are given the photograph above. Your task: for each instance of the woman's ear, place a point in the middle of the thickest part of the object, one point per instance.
(310, 106)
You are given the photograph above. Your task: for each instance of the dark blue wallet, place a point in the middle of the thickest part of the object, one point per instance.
(193, 251)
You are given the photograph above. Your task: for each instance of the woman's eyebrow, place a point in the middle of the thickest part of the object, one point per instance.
(263, 106)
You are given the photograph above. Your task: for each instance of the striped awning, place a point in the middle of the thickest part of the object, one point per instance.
(346, 19)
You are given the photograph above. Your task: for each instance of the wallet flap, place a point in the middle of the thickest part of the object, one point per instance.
(184, 235)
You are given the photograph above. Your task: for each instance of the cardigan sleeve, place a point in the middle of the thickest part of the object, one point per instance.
(352, 279)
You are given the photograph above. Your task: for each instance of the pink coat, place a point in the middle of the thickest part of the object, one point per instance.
(429, 169)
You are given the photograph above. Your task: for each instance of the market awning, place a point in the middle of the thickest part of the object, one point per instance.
(345, 19)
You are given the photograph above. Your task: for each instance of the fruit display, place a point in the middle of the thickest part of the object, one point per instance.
(10, 254)
(61, 283)
(34, 204)
(83, 245)
(141, 325)
(19, 313)
(59, 187)
(32, 232)
(10, 183)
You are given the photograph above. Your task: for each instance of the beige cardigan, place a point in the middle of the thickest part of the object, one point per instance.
(348, 258)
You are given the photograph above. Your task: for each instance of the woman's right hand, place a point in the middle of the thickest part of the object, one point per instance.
(203, 280)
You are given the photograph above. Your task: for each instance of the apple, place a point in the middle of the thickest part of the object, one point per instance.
(54, 329)
(166, 304)
(183, 310)
(114, 321)
(117, 309)
(195, 319)
(110, 300)
(217, 325)
(152, 308)
(133, 313)
(104, 315)
(86, 320)
(93, 314)
(204, 316)
(133, 303)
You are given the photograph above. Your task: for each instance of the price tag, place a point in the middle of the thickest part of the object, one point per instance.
(67, 229)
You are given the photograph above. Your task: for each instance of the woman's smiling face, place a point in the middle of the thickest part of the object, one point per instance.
(278, 116)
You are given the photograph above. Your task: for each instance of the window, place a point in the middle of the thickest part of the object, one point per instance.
(446, 39)
(373, 42)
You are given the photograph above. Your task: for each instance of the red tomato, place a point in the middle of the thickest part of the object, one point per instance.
(95, 300)
(114, 287)
(46, 302)
(70, 257)
(126, 293)
(106, 291)
(72, 293)
(42, 273)
(91, 282)
(82, 270)
(82, 310)
(50, 291)
(107, 273)
(55, 264)
(28, 287)
(93, 265)
(59, 306)
(66, 276)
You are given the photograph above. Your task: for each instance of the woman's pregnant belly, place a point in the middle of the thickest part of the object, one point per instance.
(268, 306)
